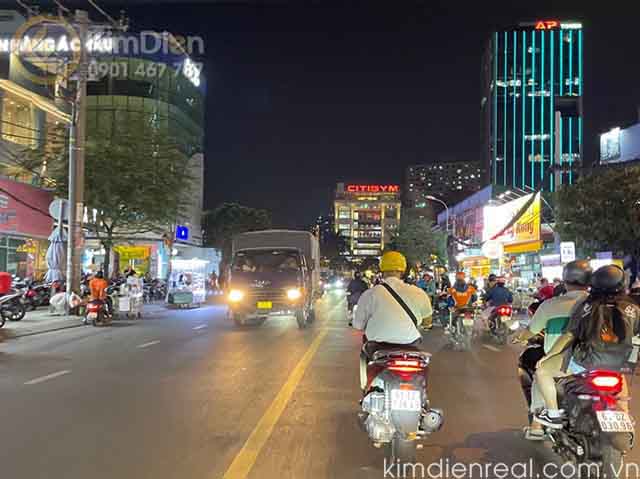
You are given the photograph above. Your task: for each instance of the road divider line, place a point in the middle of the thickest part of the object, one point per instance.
(246, 458)
(491, 348)
(146, 345)
(202, 326)
(47, 377)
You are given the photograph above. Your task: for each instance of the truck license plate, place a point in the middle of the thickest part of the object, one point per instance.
(614, 421)
(265, 305)
(403, 400)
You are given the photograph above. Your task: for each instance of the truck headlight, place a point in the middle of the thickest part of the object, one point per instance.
(294, 294)
(235, 295)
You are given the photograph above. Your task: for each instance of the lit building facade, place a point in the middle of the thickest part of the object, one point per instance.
(367, 216)
(532, 79)
(451, 182)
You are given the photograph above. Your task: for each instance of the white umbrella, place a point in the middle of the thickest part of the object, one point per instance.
(56, 255)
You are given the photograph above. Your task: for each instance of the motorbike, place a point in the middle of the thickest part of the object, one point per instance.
(461, 323)
(396, 411)
(501, 323)
(36, 295)
(97, 313)
(11, 306)
(598, 431)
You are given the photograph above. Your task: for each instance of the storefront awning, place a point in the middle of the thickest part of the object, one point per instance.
(529, 247)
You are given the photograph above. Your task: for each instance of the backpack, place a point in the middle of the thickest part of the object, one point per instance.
(605, 333)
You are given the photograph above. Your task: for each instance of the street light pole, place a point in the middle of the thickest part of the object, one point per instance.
(446, 210)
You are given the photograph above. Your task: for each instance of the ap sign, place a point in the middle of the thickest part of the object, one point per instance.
(182, 233)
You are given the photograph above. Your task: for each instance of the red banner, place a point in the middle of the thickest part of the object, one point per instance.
(23, 209)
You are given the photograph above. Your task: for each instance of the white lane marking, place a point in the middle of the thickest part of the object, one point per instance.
(47, 377)
(492, 348)
(202, 326)
(146, 345)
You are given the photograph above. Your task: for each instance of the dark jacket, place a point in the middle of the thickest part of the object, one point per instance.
(499, 296)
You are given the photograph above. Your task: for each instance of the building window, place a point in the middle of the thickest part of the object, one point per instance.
(17, 123)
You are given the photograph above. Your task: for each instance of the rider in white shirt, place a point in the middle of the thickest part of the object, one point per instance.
(381, 316)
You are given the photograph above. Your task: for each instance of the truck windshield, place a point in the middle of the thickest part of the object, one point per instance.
(269, 261)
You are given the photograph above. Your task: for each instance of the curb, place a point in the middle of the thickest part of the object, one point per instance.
(34, 333)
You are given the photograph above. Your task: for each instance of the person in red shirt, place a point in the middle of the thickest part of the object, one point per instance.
(545, 291)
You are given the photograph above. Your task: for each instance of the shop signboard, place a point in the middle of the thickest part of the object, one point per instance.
(23, 209)
(567, 251)
(524, 230)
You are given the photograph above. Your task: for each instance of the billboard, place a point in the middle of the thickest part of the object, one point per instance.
(619, 145)
(525, 228)
(23, 209)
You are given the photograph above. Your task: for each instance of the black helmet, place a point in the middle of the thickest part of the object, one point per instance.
(99, 275)
(492, 277)
(608, 280)
(357, 275)
(577, 272)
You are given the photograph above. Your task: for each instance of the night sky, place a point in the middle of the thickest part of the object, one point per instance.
(304, 94)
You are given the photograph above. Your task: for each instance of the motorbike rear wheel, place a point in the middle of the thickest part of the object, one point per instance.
(2, 320)
(612, 466)
(16, 312)
(401, 451)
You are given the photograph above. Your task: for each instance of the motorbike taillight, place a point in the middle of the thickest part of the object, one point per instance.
(605, 381)
(504, 311)
(405, 365)
(93, 307)
(31, 293)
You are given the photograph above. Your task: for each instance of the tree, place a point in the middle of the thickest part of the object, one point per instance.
(417, 240)
(230, 219)
(601, 212)
(136, 178)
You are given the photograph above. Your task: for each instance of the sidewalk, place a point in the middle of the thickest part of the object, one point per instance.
(41, 321)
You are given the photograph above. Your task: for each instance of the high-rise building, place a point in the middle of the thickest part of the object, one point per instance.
(532, 104)
(450, 182)
(367, 216)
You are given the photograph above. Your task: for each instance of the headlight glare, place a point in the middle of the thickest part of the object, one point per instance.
(294, 294)
(235, 295)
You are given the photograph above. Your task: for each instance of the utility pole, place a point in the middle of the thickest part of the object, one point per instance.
(77, 138)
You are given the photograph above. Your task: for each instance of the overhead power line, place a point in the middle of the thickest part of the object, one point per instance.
(105, 14)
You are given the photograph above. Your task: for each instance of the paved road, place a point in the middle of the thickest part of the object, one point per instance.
(187, 395)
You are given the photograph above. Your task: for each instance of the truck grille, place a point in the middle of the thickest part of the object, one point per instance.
(268, 294)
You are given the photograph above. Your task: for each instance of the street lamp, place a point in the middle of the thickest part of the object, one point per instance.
(446, 209)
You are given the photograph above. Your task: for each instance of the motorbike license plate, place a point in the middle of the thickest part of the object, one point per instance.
(92, 315)
(405, 400)
(466, 322)
(615, 421)
(265, 305)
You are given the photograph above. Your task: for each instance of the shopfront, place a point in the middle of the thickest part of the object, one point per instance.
(24, 229)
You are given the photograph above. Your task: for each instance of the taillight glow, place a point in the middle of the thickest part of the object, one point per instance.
(606, 381)
(31, 293)
(504, 310)
(404, 365)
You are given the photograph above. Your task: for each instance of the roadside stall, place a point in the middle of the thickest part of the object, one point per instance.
(187, 283)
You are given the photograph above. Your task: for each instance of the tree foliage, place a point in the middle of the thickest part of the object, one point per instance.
(137, 178)
(601, 212)
(417, 240)
(230, 219)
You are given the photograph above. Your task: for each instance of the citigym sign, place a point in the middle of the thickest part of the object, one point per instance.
(373, 189)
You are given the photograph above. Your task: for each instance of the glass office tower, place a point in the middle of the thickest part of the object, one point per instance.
(532, 105)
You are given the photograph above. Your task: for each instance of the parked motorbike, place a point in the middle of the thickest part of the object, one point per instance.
(501, 324)
(396, 412)
(36, 295)
(461, 322)
(11, 306)
(597, 431)
(97, 313)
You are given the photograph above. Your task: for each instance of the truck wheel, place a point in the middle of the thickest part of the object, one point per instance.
(312, 315)
(237, 318)
(302, 318)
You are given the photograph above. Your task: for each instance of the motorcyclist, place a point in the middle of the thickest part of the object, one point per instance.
(98, 289)
(491, 282)
(497, 296)
(545, 291)
(551, 318)
(598, 336)
(382, 318)
(428, 285)
(356, 287)
(461, 294)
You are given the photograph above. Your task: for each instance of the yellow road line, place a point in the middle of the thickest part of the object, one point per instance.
(246, 458)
